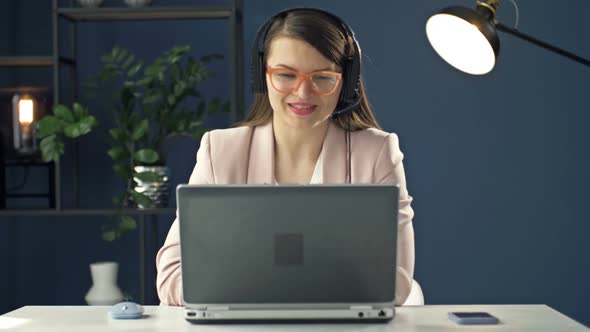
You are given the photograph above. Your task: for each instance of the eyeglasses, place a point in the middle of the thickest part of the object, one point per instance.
(286, 80)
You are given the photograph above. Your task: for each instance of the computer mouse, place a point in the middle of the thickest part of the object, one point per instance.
(126, 310)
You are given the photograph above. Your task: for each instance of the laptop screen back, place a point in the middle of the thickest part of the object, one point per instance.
(288, 244)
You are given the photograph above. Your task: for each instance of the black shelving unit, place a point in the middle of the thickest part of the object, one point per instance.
(73, 15)
(232, 13)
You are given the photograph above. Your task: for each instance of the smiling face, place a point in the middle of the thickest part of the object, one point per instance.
(303, 108)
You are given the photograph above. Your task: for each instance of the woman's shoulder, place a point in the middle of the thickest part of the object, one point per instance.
(374, 137)
(229, 136)
(229, 133)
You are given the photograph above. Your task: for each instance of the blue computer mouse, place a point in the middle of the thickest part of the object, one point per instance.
(126, 310)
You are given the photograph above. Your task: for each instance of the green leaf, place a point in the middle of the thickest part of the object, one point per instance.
(79, 111)
(135, 68)
(119, 153)
(148, 176)
(180, 50)
(118, 135)
(123, 170)
(129, 84)
(190, 65)
(73, 130)
(52, 148)
(146, 156)
(175, 72)
(129, 61)
(171, 100)
(152, 98)
(141, 199)
(145, 81)
(172, 59)
(134, 120)
(195, 125)
(63, 113)
(127, 224)
(121, 55)
(152, 71)
(48, 125)
(106, 75)
(111, 66)
(106, 58)
(179, 88)
(109, 235)
(140, 130)
(86, 124)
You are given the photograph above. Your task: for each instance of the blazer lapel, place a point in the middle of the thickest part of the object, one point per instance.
(332, 163)
(261, 159)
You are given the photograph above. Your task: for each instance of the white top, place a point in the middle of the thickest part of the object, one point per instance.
(537, 318)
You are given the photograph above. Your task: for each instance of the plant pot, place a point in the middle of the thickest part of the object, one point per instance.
(158, 192)
(104, 290)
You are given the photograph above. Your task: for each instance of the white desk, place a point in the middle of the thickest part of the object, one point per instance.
(536, 318)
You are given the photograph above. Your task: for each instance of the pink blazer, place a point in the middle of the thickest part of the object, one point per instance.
(245, 155)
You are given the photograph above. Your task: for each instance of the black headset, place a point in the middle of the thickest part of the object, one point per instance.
(350, 97)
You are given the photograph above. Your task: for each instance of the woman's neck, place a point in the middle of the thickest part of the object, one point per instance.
(298, 146)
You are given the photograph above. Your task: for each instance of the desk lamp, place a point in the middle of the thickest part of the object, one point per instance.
(467, 39)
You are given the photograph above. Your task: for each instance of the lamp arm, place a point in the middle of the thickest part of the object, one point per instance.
(542, 44)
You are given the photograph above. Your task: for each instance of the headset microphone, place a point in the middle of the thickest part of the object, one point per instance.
(349, 108)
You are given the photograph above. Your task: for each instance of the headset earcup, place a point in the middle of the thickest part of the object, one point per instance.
(355, 77)
(343, 99)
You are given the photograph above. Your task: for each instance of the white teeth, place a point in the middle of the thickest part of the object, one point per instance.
(302, 107)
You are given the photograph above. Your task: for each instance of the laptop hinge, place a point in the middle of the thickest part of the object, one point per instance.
(218, 308)
(361, 307)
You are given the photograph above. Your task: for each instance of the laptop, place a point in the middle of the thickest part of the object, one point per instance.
(266, 253)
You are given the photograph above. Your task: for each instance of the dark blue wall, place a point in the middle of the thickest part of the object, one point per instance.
(497, 164)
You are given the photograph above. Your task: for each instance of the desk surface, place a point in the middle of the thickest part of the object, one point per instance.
(161, 318)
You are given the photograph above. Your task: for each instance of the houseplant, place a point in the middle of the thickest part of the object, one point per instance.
(149, 106)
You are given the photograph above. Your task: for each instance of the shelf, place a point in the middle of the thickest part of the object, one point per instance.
(85, 212)
(144, 13)
(32, 61)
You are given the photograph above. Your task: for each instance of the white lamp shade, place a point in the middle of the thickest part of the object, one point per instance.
(460, 43)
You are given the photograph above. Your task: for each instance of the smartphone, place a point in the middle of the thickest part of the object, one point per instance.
(473, 318)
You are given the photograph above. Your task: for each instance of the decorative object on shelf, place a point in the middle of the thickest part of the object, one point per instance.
(138, 3)
(64, 122)
(104, 289)
(21, 109)
(23, 125)
(90, 3)
(156, 191)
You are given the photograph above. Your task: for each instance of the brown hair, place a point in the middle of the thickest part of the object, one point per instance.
(331, 40)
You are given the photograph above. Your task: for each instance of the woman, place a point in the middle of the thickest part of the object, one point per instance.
(310, 123)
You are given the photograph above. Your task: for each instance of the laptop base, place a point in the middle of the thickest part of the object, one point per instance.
(289, 316)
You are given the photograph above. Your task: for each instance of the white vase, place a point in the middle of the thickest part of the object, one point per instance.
(138, 3)
(90, 3)
(104, 290)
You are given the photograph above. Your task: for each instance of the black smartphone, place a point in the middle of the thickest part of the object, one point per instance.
(473, 318)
